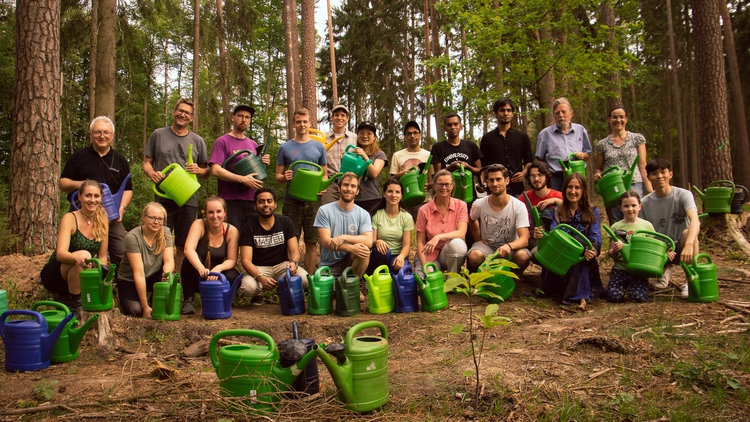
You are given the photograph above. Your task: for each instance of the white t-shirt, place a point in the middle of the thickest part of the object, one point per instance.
(499, 227)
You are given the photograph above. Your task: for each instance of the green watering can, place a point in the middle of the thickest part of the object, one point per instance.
(612, 185)
(360, 371)
(501, 284)
(702, 281)
(351, 162)
(574, 165)
(557, 251)
(178, 185)
(66, 347)
(190, 161)
(431, 293)
(717, 200)
(308, 182)
(320, 292)
(380, 290)
(644, 256)
(463, 188)
(413, 185)
(3, 301)
(347, 293)
(255, 371)
(96, 291)
(165, 303)
(249, 164)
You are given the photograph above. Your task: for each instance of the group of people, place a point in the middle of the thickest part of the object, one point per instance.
(355, 222)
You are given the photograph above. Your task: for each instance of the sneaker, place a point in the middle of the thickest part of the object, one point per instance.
(663, 281)
(257, 300)
(684, 293)
(187, 307)
(361, 297)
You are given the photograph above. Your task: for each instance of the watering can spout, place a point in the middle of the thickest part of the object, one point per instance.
(229, 293)
(341, 373)
(117, 198)
(698, 191)
(562, 164)
(691, 275)
(625, 251)
(171, 295)
(324, 184)
(48, 340)
(76, 334)
(288, 375)
(332, 143)
(628, 178)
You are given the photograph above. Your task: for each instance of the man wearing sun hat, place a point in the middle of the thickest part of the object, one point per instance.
(339, 117)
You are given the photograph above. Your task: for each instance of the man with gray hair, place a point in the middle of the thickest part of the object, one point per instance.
(100, 162)
(561, 139)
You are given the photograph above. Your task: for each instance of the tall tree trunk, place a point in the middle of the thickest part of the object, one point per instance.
(499, 80)
(467, 99)
(92, 58)
(333, 57)
(309, 79)
(166, 83)
(712, 91)
(428, 95)
(676, 100)
(223, 69)
(105, 60)
(196, 59)
(145, 117)
(693, 142)
(35, 149)
(743, 143)
(436, 72)
(289, 16)
(614, 93)
(547, 83)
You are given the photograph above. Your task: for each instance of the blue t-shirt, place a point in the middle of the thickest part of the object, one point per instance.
(291, 151)
(353, 222)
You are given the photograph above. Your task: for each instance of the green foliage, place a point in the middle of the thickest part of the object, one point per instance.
(44, 390)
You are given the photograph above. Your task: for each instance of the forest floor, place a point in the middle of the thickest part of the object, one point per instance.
(666, 360)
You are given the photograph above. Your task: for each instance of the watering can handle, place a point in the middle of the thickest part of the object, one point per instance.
(588, 242)
(164, 170)
(52, 304)
(610, 169)
(349, 146)
(413, 168)
(238, 333)
(734, 188)
(574, 155)
(321, 270)
(702, 255)
(94, 261)
(362, 326)
(231, 157)
(380, 269)
(403, 271)
(73, 200)
(663, 236)
(424, 267)
(220, 276)
(346, 272)
(38, 316)
(291, 167)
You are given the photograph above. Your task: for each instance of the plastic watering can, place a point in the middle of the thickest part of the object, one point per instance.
(644, 256)
(380, 293)
(501, 284)
(249, 164)
(702, 281)
(96, 290)
(347, 293)
(28, 344)
(294, 349)
(717, 199)
(351, 162)
(557, 251)
(217, 296)
(574, 165)
(463, 188)
(360, 370)
(291, 294)
(254, 371)
(178, 185)
(740, 196)
(190, 161)
(320, 292)
(66, 347)
(406, 297)
(165, 303)
(110, 202)
(612, 185)
(308, 182)
(3, 301)
(431, 292)
(321, 137)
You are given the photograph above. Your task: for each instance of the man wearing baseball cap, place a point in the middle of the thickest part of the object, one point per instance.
(238, 191)
(411, 156)
(339, 117)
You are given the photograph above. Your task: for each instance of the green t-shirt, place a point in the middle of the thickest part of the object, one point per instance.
(641, 224)
(391, 230)
(134, 243)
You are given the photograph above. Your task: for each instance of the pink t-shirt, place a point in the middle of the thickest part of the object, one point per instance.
(431, 222)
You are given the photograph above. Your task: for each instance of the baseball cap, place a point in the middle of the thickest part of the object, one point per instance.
(413, 124)
(244, 107)
(342, 108)
(369, 125)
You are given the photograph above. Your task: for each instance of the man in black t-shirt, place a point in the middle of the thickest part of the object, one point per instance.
(100, 162)
(268, 246)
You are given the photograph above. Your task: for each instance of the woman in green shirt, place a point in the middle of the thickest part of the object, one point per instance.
(391, 230)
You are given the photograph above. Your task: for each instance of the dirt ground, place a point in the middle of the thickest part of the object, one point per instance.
(667, 360)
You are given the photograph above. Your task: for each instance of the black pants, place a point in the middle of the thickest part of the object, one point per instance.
(129, 300)
(190, 279)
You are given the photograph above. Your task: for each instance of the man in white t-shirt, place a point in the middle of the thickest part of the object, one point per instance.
(411, 156)
(501, 223)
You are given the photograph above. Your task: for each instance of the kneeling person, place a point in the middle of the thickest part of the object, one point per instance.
(268, 246)
(501, 222)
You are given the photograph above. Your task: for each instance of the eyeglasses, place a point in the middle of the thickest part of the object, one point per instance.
(101, 132)
(185, 112)
(243, 117)
(535, 176)
(443, 185)
(153, 219)
(413, 133)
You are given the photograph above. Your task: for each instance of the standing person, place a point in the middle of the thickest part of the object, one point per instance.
(82, 236)
(367, 148)
(148, 259)
(561, 139)
(500, 222)
(582, 281)
(391, 230)
(673, 212)
(268, 247)
(238, 191)
(100, 162)
(211, 246)
(339, 117)
(507, 146)
(302, 213)
(411, 156)
(441, 229)
(620, 149)
(169, 145)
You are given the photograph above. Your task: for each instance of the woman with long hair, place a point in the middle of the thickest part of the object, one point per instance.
(367, 148)
(149, 257)
(391, 230)
(82, 236)
(582, 281)
(211, 246)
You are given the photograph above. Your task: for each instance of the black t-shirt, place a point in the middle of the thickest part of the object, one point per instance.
(446, 154)
(512, 151)
(269, 246)
(86, 163)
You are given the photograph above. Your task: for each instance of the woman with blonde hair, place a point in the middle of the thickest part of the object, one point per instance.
(149, 256)
(82, 236)
(367, 148)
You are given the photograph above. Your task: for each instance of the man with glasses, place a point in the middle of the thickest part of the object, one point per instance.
(169, 145)
(100, 162)
(238, 191)
(339, 117)
(411, 156)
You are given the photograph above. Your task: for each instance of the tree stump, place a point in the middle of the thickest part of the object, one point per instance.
(102, 326)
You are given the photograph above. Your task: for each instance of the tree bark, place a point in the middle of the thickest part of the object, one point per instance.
(196, 59)
(426, 13)
(223, 69)
(35, 150)
(694, 143)
(309, 79)
(333, 57)
(614, 93)
(92, 58)
(289, 16)
(436, 72)
(677, 104)
(105, 60)
(547, 82)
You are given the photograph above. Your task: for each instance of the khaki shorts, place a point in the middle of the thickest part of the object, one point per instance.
(303, 216)
(487, 250)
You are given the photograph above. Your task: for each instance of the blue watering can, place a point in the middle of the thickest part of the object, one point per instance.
(217, 296)
(291, 294)
(111, 203)
(405, 292)
(27, 344)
